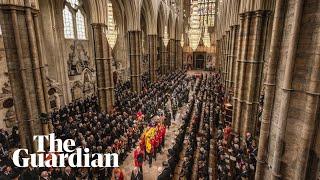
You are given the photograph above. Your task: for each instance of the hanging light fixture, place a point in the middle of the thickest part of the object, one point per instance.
(182, 41)
(195, 25)
(194, 44)
(112, 37)
(112, 31)
(166, 36)
(206, 37)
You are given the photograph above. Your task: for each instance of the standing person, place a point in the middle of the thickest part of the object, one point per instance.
(138, 158)
(168, 118)
(163, 135)
(154, 147)
(68, 174)
(149, 151)
(44, 175)
(174, 108)
(136, 174)
(29, 173)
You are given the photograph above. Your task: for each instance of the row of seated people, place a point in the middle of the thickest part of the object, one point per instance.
(180, 95)
(191, 141)
(169, 166)
(236, 156)
(100, 132)
(206, 136)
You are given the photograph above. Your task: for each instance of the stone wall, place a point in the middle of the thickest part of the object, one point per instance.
(7, 114)
(71, 66)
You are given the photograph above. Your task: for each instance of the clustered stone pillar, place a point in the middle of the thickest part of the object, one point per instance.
(230, 47)
(250, 68)
(270, 87)
(104, 74)
(172, 54)
(164, 59)
(160, 54)
(27, 71)
(227, 59)
(178, 54)
(232, 56)
(223, 61)
(153, 56)
(219, 55)
(135, 48)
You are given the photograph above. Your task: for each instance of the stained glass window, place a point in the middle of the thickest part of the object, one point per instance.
(74, 20)
(68, 23)
(81, 30)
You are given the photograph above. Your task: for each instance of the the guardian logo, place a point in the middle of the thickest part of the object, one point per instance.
(62, 152)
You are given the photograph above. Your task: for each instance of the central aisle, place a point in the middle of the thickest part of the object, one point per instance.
(152, 173)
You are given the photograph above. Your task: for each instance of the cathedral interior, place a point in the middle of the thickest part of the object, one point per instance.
(179, 89)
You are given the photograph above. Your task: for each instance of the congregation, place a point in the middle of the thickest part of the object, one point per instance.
(138, 123)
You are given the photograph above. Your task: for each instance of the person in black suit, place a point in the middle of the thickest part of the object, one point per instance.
(136, 174)
(165, 174)
(44, 175)
(30, 173)
(67, 175)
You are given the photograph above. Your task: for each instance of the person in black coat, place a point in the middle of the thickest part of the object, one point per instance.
(136, 174)
(165, 174)
(67, 175)
(30, 173)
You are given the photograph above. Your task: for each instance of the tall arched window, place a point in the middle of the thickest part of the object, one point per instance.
(73, 13)
(68, 23)
(81, 31)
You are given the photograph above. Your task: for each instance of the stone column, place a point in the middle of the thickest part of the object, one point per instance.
(226, 55)
(153, 56)
(270, 88)
(135, 48)
(162, 55)
(172, 54)
(242, 54)
(104, 74)
(165, 58)
(223, 60)
(218, 60)
(234, 49)
(27, 71)
(254, 69)
(178, 54)
(289, 137)
(251, 59)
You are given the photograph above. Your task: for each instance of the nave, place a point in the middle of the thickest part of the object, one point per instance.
(164, 89)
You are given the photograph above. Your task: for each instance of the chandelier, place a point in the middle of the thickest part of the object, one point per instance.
(206, 37)
(112, 37)
(182, 41)
(166, 36)
(112, 31)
